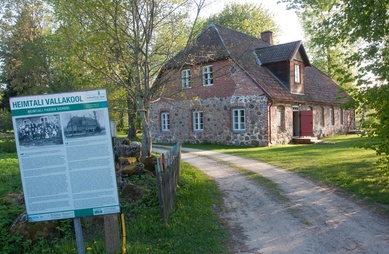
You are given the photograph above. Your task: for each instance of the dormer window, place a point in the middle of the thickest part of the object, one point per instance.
(297, 74)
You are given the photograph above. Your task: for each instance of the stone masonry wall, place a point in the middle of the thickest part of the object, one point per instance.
(217, 121)
(284, 134)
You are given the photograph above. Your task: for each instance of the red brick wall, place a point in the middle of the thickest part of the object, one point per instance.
(228, 80)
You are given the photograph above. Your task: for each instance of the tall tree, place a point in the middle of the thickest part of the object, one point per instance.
(248, 18)
(366, 23)
(327, 51)
(22, 51)
(127, 42)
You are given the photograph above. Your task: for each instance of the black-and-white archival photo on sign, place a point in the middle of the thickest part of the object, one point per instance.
(39, 130)
(84, 123)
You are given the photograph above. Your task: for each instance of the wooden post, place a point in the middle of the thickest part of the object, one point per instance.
(112, 237)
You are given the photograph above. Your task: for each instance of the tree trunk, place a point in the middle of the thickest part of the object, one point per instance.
(146, 135)
(131, 119)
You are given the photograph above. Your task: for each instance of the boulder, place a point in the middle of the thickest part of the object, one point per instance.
(149, 163)
(8, 199)
(123, 147)
(132, 192)
(34, 231)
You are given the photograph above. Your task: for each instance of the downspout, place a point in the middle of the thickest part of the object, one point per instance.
(269, 117)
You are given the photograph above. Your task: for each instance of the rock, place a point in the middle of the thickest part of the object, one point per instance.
(132, 192)
(130, 170)
(34, 231)
(123, 147)
(124, 161)
(149, 163)
(17, 199)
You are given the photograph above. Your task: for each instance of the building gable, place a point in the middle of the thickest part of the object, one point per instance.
(231, 88)
(272, 68)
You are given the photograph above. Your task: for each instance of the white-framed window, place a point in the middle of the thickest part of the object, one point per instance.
(297, 74)
(165, 122)
(207, 75)
(238, 120)
(198, 121)
(322, 117)
(281, 118)
(185, 78)
(332, 116)
(341, 116)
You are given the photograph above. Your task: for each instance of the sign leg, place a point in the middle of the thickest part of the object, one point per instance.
(79, 238)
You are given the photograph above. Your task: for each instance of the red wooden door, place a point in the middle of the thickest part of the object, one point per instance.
(306, 123)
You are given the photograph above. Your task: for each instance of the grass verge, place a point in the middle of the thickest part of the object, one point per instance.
(270, 186)
(340, 163)
(193, 227)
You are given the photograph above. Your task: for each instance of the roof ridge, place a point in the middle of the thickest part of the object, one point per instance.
(283, 44)
(221, 39)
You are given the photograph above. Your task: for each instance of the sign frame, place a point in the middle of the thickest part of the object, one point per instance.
(65, 153)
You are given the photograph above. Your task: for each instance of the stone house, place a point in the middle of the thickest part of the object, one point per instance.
(231, 88)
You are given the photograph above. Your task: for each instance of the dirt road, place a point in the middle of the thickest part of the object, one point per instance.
(308, 219)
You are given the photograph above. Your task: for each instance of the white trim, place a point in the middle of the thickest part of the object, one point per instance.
(165, 122)
(207, 75)
(185, 79)
(238, 119)
(198, 120)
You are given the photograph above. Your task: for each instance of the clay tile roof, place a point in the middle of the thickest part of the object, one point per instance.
(252, 54)
(321, 88)
(215, 43)
(278, 53)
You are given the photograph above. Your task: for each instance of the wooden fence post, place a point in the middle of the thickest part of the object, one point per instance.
(112, 237)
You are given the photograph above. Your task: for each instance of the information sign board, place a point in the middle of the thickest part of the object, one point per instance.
(65, 154)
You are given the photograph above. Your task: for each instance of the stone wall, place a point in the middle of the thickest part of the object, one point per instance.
(217, 121)
(284, 134)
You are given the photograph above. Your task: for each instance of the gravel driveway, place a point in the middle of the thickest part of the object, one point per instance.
(308, 219)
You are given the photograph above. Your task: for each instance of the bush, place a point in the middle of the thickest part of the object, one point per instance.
(5, 120)
(7, 145)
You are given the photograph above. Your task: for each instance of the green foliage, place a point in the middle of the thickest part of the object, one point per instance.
(248, 18)
(5, 121)
(193, 225)
(377, 130)
(7, 145)
(22, 50)
(9, 244)
(10, 181)
(366, 24)
(124, 44)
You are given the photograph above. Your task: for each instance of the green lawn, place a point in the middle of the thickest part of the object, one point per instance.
(193, 225)
(339, 163)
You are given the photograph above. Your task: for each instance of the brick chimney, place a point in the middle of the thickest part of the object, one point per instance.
(267, 36)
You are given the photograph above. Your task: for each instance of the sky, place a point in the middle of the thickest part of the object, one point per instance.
(286, 19)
